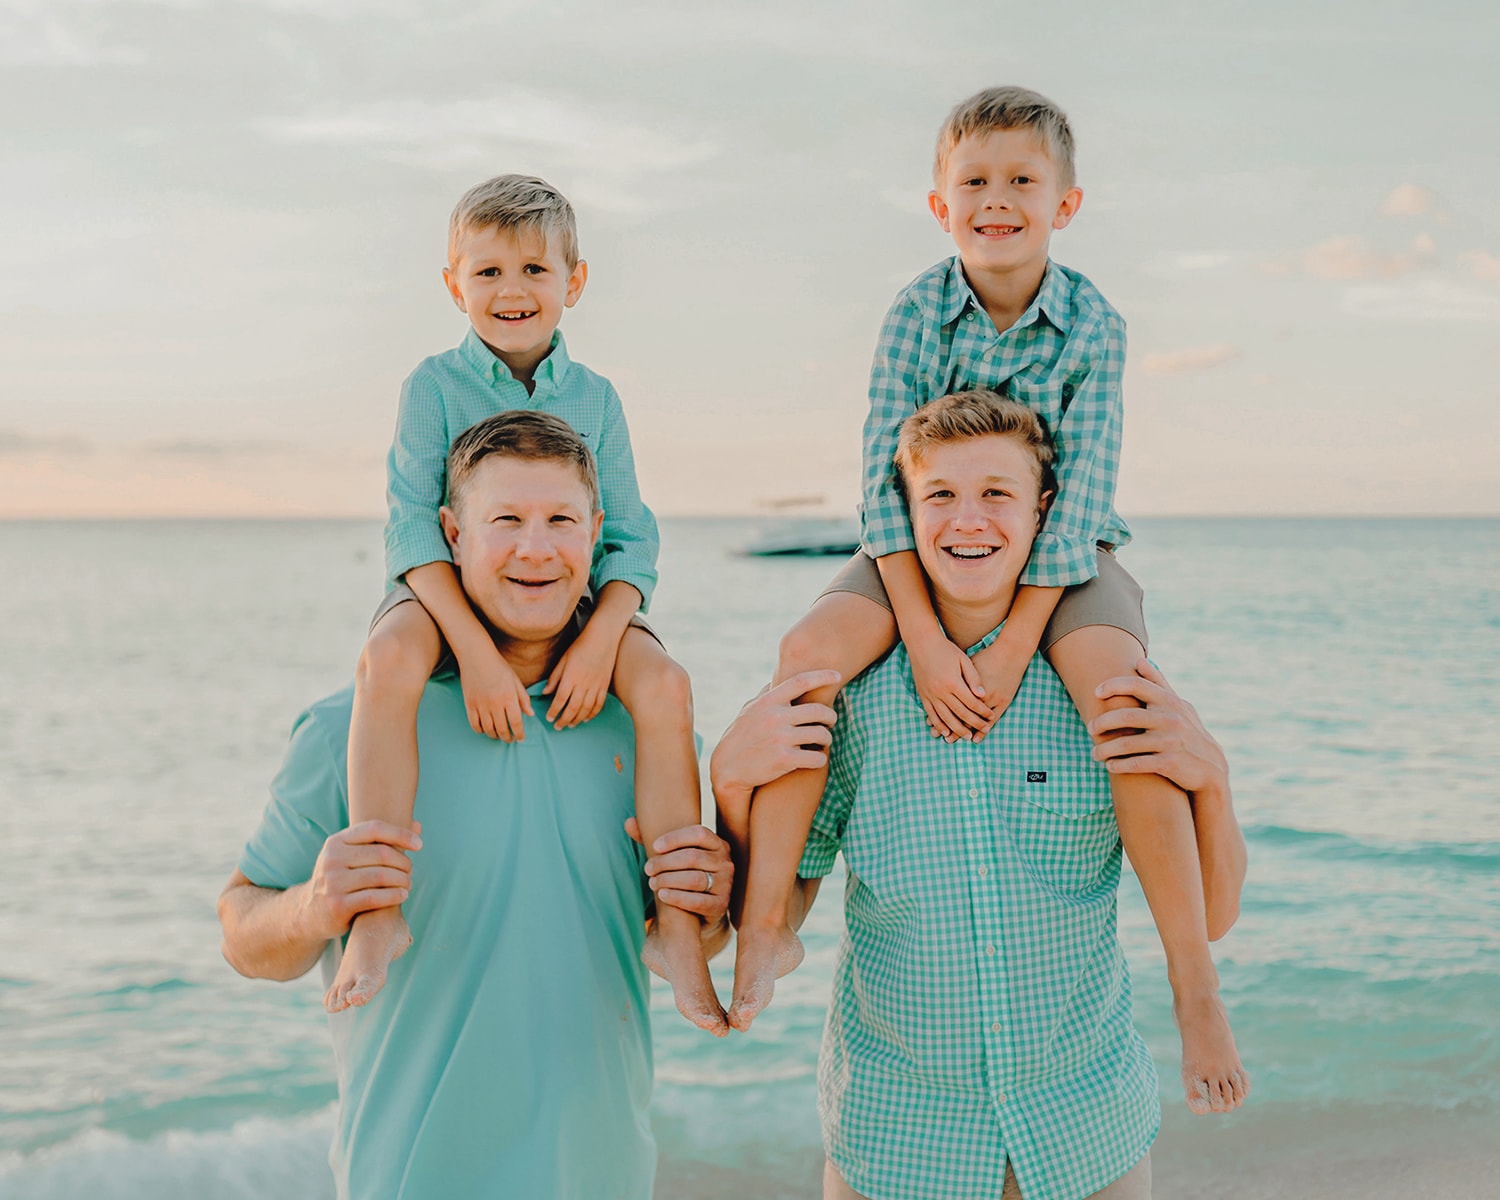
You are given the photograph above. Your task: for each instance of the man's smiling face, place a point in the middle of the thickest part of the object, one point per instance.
(514, 287)
(1000, 198)
(976, 508)
(522, 533)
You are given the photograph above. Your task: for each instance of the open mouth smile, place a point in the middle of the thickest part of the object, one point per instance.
(514, 316)
(997, 231)
(969, 552)
(530, 583)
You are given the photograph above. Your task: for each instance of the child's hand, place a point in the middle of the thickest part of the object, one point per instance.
(1002, 665)
(951, 689)
(579, 683)
(494, 695)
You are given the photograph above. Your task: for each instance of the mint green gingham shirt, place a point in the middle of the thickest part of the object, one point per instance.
(1063, 359)
(981, 1002)
(451, 391)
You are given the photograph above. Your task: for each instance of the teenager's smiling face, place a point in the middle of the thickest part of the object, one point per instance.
(522, 534)
(976, 507)
(1000, 198)
(514, 287)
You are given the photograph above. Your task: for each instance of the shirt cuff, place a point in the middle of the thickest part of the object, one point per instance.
(879, 544)
(618, 567)
(818, 858)
(412, 544)
(1059, 561)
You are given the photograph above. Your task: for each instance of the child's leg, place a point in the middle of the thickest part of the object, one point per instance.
(658, 695)
(398, 659)
(1156, 827)
(847, 632)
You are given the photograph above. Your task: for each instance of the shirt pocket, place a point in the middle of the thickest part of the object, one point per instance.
(1063, 826)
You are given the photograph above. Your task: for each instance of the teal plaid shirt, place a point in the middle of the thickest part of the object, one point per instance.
(1063, 359)
(449, 392)
(981, 1002)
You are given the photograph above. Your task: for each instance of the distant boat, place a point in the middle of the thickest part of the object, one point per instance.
(807, 537)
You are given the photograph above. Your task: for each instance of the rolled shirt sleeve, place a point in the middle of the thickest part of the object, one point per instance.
(629, 542)
(895, 382)
(308, 804)
(416, 479)
(845, 760)
(1087, 439)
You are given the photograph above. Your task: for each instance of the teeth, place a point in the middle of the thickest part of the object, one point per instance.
(514, 316)
(971, 551)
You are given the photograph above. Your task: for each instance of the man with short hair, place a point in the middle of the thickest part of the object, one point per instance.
(509, 1053)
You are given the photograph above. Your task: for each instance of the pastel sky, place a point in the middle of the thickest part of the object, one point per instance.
(222, 226)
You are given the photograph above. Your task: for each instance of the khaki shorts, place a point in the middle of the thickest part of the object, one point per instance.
(400, 594)
(1111, 598)
(1135, 1184)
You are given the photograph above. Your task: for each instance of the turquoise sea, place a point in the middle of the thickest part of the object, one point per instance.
(151, 672)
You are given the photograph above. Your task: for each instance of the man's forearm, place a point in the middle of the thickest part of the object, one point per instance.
(266, 933)
(1221, 853)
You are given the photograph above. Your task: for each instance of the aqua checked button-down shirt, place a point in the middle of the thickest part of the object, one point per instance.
(509, 1053)
(449, 392)
(981, 1002)
(1063, 359)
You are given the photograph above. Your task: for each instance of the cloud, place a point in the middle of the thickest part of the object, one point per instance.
(1351, 257)
(1197, 358)
(1429, 300)
(39, 39)
(191, 449)
(1409, 200)
(16, 444)
(1202, 261)
(1483, 265)
(545, 130)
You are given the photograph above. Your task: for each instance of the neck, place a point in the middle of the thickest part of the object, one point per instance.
(966, 624)
(1007, 294)
(532, 661)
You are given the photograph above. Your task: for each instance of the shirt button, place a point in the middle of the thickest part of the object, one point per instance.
(990, 949)
(1000, 1097)
(973, 793)
(983, 871)
(995, 1028)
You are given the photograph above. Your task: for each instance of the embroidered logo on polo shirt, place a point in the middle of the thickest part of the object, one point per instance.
(1036, 776)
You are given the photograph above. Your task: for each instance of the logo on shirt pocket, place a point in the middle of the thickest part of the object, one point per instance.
(1036, 776)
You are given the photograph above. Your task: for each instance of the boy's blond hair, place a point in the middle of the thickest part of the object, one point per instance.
(977, 413)
(518, 204)
(1008, 108)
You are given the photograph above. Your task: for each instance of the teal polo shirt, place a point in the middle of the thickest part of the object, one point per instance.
(509, 1053)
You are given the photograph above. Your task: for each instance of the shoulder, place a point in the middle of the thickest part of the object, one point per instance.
(323, 726)
(435, 375)
(923, 297)
(1094, 318)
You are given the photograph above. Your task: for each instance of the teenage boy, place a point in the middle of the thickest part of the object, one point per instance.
(513, 267)
(979, 1039)
(1001, 314)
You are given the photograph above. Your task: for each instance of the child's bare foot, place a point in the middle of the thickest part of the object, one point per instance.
(376, 940)
(761, 957)
(677, 956)
(1213, 1078)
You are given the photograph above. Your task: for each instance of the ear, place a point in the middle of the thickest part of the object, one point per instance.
(451, 280)
(598, 527)
(1067, 207)
(576, 280)
(449, 520)
(939, 209)
(1042, 505)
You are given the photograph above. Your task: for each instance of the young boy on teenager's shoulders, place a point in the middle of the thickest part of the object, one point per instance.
(1001, 314)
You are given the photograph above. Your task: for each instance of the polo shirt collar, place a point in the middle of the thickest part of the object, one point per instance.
(1051, 300)
(551, 369)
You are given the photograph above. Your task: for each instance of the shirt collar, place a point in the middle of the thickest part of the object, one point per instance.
(1051, 300)
(479, 356)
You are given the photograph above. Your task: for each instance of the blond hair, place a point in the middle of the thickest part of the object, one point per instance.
(978, 413)
(517, 204)
(525, 434)
(999, 108)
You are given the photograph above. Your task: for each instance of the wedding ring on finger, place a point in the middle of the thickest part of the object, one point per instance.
(709, 877)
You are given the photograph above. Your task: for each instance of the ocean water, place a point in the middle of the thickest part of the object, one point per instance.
(151, 672)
